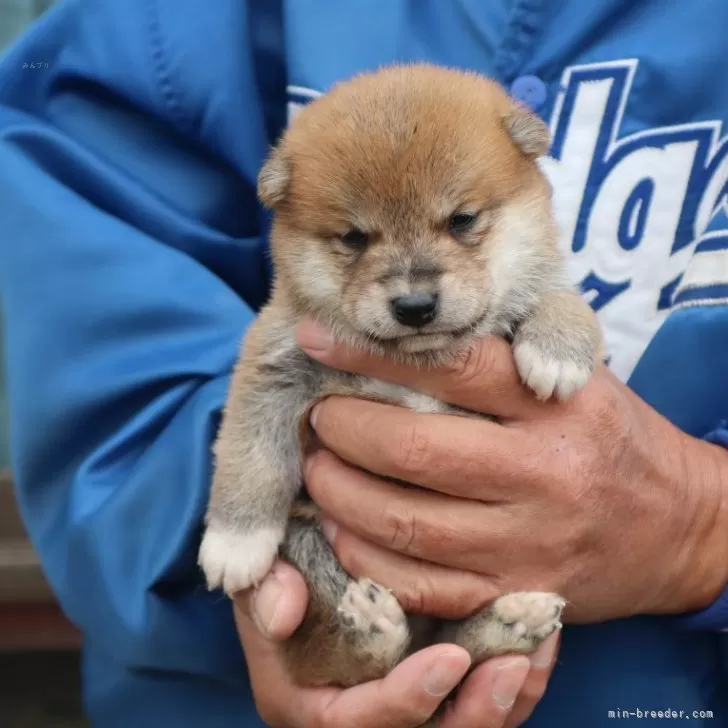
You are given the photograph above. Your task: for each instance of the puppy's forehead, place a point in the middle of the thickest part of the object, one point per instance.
(403, 138)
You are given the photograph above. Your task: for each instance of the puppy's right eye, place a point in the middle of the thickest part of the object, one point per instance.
(355, 238)
(461, 222)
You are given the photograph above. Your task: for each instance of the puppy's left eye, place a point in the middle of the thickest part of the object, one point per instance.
(461, 222)
(355, 238)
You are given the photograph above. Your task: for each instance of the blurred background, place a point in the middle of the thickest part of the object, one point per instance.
(39, 659)
(16, 14)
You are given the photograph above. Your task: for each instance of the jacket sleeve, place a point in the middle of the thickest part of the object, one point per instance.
(682, 372)
(131, 261)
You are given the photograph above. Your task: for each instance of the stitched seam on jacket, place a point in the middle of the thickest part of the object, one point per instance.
(170, 95)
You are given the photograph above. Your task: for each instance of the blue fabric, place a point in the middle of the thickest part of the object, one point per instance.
(630, 665)
(118, 697)
(133, 257)
(4, 433)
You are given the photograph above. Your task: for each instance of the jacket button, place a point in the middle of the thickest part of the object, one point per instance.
(529, 90)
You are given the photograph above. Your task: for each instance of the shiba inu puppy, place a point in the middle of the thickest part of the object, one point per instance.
(410, 216)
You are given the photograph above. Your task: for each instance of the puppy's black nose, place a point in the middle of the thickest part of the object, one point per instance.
(415, 309)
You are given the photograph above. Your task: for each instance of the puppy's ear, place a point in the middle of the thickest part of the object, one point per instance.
(530, 134)
(274, 178)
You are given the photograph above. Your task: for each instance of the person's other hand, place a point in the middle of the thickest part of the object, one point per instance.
(599, 498)
(500, 693)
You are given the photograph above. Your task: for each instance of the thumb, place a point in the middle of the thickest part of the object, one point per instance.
(277, 606)
(407, 697)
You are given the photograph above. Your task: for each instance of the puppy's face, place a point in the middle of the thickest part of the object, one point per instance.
(409, 210)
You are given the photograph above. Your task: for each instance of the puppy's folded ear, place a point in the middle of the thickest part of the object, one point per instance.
(530, 134)
(274, 178)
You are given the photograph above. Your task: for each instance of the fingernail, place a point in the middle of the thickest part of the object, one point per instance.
(313, 416)
(544, 655)
(267, 603)
(446, 673)
(313, 337)
(329, 529)
(508, 681)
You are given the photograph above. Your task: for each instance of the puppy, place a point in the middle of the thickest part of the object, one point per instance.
(410, 218)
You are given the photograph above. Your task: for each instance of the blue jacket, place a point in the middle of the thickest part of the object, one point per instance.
(133, 256)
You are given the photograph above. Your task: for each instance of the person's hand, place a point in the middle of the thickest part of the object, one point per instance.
(500, 693)
(599, 499)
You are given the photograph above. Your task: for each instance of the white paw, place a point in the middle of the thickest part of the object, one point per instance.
(236, 561)
(547, 376)
(530, 615)
(373, 610)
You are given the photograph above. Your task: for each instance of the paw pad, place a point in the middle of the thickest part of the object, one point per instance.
(371, 609)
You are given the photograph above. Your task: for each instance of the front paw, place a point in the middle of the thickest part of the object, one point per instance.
(550, 371)
(557, 348)
(236, 560)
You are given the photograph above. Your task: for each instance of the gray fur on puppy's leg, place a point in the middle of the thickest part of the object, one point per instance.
(353, 631)
(516, 622)
(258, 453)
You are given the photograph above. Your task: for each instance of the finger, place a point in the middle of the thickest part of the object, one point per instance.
(279, 603)
(277, 697)
(405, 698)
(454, 455)
(482, 377)
(534, 687)
(413, 521)
(421, 587)
(488, 695)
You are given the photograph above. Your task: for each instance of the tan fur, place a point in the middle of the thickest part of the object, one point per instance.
(394, 154)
